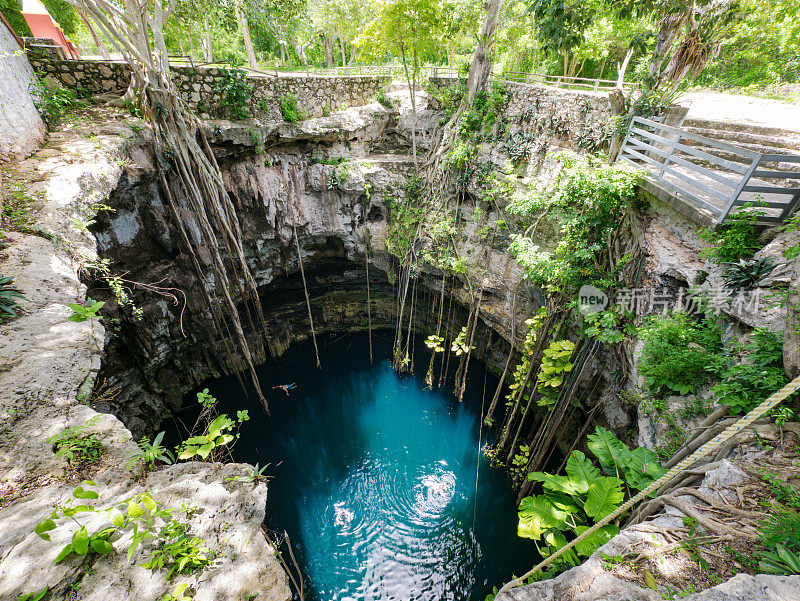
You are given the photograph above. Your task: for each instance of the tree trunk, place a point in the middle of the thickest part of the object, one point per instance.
(248, 43)
(327, 46)
(622, 68)
(669, 28)
(97, 41)
(616, 98)
(208, 45)
(411, 85)
(481, 67)
(344, 56)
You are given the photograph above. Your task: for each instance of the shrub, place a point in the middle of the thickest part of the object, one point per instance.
(8, 298)
(78, 448)
(290, 110)
(235, 93)
(587, 493)
(737, 238)
(781, 528)
(383, 99)
(678, 352)
(53, 103)
(746, 383)
(747, 274)
(587, 200)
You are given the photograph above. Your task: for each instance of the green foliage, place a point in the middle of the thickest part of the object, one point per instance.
(178, 594)
(236, 92)
(735, 239)
(477, 120)
(53, 103)
(220, 433)
(254, 474)
(290, 109)
(206, 399)
(572, 503)
(8, 298)
(747, 274)
(606, 326)
(81, 313)
(141, 516)
(555, 365)
(435, 343)
(338, 177)
(178, 552)
(150, 453)
(460, 345)
(587, 200)
(77, 447)
(520, 375)
(678, 351)
(781, 528)
(449, 97)
(383, 99)
(782, 561)
(759, 373)
(12, 11)
(38, 596)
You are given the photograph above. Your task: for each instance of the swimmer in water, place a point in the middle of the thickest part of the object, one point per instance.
(343, 516)
(285, 387)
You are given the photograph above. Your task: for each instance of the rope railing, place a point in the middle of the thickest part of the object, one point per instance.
(773, 401)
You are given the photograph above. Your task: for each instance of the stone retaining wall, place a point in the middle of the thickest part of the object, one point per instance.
(198, 86)
(575, 119)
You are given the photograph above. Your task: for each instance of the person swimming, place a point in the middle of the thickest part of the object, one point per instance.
(342, 516)
(285, 387)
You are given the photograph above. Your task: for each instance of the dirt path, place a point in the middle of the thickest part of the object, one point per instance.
(719, 106)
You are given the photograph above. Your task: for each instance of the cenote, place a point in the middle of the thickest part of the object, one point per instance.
(374, 475)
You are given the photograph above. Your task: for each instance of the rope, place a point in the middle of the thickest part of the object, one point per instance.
(707, 448)
(308, 300)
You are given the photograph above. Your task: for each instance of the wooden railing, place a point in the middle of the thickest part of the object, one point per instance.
(559, 81)
(717, 177)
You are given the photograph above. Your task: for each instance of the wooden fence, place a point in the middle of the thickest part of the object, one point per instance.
(559, 81)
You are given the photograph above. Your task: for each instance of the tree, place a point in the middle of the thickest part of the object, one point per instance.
(560, 26)
(407, 29)
(186, 165)
(343, 20)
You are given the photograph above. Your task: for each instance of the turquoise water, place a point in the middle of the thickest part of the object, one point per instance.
(375, 476)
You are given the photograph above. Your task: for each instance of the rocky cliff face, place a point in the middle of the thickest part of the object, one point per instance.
(49, 364)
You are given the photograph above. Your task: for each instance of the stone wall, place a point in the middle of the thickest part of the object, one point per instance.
(199, 86)
(21, 127)
(568, 118)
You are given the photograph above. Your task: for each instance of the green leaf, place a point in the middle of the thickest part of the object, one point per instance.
(80, 541)
(79, 493)
(115, 517)
(65, 552)
(553, 482)
(581, 471)
(605, 495)
(148, 502)
(101, 546)
(134, 509)
(43, 527)
(609, 450)
(650, 580)
(537, 514)
(595, 540)
(643, 468)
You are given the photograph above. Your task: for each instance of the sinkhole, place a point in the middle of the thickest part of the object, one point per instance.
(379, 481)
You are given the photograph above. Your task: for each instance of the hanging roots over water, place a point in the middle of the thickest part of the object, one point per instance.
(189, 175)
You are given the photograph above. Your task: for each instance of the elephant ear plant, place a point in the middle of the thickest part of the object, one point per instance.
(8, 298)
(570, 504)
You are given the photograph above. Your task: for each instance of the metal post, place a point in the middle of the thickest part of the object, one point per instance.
(738, 191)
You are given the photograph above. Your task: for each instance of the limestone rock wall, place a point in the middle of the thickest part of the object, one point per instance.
(21, 128)
(49, 365)
(198, 86)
